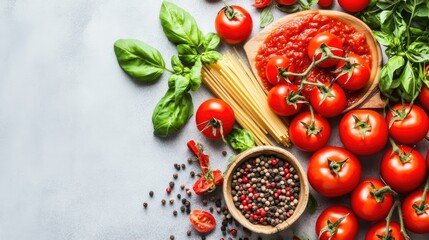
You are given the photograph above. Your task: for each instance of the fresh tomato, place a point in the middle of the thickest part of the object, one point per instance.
(309, 134)
(404, 169)
(272, 69)
(332, 41)
(370, 204)
(325, 3)
(407, 124)
(424, 97)
(204, 185)
(416, 219)
(215, 118)
(363, 132)
(217, 177)
(202, 221)
(427, 159)
(233, 24)
(337, 223)
(261, 3)
(281, 99)
(328, 101)
(286, 2)
(334, 171)
(355, 75)
(378, 231)
(354, 5)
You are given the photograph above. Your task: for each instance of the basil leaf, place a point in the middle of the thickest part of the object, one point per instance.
(211, 41)
(170, 115)
(400, 27)
(179, 26)
(387, 74)
(210, 57)
(418, 52)
(187, 54)
(195, 76)
(267, 17)
(176, 64)
(409, 82)
(384, 39)
(312, 204)
(181, 86)
(139, 60)
(240, 139)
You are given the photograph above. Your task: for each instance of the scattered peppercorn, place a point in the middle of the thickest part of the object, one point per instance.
(163, 201)
(171, 201)
(145, 204)
(175, 213)
(233, 232)
(182, 209)
(151, 193)
(211, 209)
(190, 160)
(205, 202)
(224, 153)
(177, 166)
(171, 237)
(171, 184)
(175, 175)
(192, 173)
(182, 186)
(179, 196)
(168, 190)
(183, 166)
(189, 232)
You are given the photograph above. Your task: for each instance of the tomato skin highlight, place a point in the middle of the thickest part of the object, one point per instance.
(286, 2)
(202, 221)
(219, 110)
(373, 139)
(331, 106)
(331, 41)
(359, 76)
(413, 221)
(347, 229)
(312, 142)
(380, 230)
(326, 182)
(403, 176)
(354, 5)
(272, 71)
(364, 204)
(236, 30)
(277, 100)
(261, 3)
(412, 129)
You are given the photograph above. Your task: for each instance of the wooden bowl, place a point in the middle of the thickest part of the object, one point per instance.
(267, 151)
(370, 96)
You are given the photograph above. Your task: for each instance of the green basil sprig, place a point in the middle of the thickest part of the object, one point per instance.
(240, 139)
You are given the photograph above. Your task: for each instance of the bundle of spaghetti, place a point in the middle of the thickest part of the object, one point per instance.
(231, 80)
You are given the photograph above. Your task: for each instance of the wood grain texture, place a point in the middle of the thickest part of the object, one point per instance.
(267, 151)
(370, 97)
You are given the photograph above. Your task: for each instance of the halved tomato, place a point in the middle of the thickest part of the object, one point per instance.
(202, 221)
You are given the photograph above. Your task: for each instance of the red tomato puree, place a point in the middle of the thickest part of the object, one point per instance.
(292, 39)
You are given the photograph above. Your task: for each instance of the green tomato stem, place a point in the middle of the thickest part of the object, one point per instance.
(401, 222)
(425, 192)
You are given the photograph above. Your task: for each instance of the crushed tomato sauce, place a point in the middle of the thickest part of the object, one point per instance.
(292, 39)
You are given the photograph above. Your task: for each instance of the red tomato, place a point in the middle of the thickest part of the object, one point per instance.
(415, 220)
(332, 41)
(424, 97)
(202, 221)
(427, 159)
(233, 24)
(325, 3)
(410, 126)
(366, 205)
(203, 185)
(347, 228)
(354, 5)
(356, 74)
(334, 171)
(280, 102)
(217, 177)
(272, 70)
(405, 171)
(215, 118)
(286, 2)
(328, 102)
(378, 231)
(261, 3)
(363, 132)
(309, 135)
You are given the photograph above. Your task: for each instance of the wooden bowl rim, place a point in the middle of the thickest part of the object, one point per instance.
(372, 86)
(266, 150)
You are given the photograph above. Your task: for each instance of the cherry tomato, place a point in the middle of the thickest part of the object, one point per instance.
(378, 231)
(328, 102)
(215, 118)
(369, 204)
(424, 97)
(403, 171)
(363, 132)
(356, 74)
(416, 220)
(334, 171)
(203, 185)
(411, 124)
(233, 24)
(286, 2)
(279, 99)
(347, 224)
(202, 221)
(261, 3)
(325, 3)
(332, 41)
(354, 5)
(272, 71)
(309, 135)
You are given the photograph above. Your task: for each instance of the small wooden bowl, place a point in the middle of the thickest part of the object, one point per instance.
(267, 151)
(370, 96)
